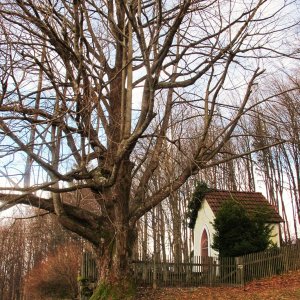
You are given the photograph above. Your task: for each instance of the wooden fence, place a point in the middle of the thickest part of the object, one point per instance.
(271, 262)
(208, 271)
(205, 271)
(214, 271)
(88, 276)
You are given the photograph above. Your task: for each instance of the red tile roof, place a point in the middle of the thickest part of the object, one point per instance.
(251, 201)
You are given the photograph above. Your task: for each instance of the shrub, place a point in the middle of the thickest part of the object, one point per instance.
(238, 232)
(56, 275)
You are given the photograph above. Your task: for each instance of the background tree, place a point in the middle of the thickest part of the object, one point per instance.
(92, 89)
(279, 166)
(12, 264)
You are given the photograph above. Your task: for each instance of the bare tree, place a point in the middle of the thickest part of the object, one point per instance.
(89, 91)
(12, 265)
(280, 165)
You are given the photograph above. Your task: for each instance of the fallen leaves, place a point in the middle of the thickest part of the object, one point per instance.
(280, 287)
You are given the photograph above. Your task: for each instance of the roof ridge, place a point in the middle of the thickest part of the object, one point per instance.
(231, 191)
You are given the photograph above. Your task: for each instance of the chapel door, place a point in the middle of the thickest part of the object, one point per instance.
(204, 244)
(204, 251)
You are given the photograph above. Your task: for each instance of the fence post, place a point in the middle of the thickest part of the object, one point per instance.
(188, 270)
(144, 265)
(240, 271)
(154, 271)
(214, 274)
(210, 270)
(285, 256)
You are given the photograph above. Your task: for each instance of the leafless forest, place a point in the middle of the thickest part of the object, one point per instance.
(112, 111)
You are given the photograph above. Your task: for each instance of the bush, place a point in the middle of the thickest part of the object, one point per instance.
(55, 276)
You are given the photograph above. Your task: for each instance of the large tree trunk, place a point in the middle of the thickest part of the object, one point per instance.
(115, 250)
(113, 259)
(114, 255)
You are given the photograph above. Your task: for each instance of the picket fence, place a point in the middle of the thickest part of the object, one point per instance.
(208, 271)
(216, 271)
(199, 271)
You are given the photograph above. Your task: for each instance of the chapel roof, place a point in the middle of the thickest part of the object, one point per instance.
(251, 201)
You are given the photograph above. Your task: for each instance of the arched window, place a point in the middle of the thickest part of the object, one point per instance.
(204, 243)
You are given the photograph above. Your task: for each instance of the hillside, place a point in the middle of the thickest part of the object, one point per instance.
(279, 287)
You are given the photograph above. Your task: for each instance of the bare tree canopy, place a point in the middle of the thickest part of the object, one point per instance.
(99, 96)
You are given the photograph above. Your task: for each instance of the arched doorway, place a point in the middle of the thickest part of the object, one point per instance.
(204, 243)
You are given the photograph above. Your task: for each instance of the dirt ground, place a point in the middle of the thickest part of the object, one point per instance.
(280, 287)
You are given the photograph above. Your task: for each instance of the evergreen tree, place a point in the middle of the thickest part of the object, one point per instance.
(238, 232)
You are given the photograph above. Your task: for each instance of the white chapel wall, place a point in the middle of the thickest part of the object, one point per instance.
(275, 234)
(204, 221)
